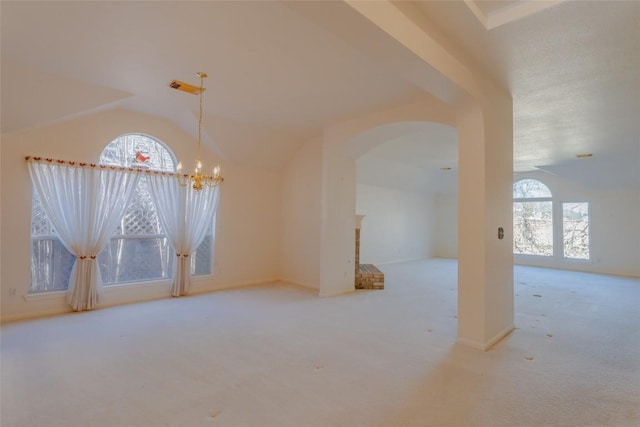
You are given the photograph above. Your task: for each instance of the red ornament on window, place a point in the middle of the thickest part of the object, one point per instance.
(141, 157)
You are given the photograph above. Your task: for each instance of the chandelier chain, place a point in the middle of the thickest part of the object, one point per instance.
(197, 179)
(200, 115)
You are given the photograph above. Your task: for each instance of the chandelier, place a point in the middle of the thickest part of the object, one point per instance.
(197, 179)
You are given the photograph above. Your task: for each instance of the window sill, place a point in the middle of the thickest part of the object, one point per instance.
(550, 260)
(155, 282)
(40, 296)
(533, 256)
(107, 289)
(578, 260)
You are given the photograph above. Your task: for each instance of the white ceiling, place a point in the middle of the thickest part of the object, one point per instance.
(277, 75)
(574, 73)
(268, 67)
(415, 156)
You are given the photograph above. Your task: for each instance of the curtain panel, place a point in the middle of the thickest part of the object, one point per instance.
(84, 202)
(186, 215)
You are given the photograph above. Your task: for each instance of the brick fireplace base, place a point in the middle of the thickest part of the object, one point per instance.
(369, 277)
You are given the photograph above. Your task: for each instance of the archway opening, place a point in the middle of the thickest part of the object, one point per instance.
(406, 197)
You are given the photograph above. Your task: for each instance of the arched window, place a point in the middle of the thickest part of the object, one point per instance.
(530, 189)
(138, 250)
(532, 218)
(140, 151)
(534, 227)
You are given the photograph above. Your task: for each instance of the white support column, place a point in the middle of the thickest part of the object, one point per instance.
(485, 262)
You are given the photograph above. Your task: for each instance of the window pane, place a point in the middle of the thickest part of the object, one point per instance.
(137, 150)
(135, 260)
(575, 230)
(51, 265)
(201, 260)
(140, 216)
(51, 262)
(532, 228)
(530, 188)
(40, 224)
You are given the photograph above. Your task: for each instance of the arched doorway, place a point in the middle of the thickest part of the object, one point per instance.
(400, 183)
(485, 259)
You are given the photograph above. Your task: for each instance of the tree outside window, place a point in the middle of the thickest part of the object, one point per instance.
(532, 218)
(533, 225)
(575, 230)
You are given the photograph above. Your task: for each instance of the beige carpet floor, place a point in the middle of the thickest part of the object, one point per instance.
(278, 355)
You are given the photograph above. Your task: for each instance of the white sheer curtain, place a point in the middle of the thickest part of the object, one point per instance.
(84, 203)
(186, 215)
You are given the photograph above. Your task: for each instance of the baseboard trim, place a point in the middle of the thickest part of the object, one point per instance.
(135, 298)
(194, 290)
(484, 346)
(396, 261)
(301, 284)
(36, 315)
(336, 293)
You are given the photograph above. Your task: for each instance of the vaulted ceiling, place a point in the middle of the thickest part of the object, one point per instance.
(279, 72)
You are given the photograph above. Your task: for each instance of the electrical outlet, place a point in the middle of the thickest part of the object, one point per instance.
(12, 291)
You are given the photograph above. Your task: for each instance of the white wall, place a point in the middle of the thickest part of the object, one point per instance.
(399, 225)
(247, 230)
(300, 216)
(338, 222)
(447, 226)
(614, 226)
